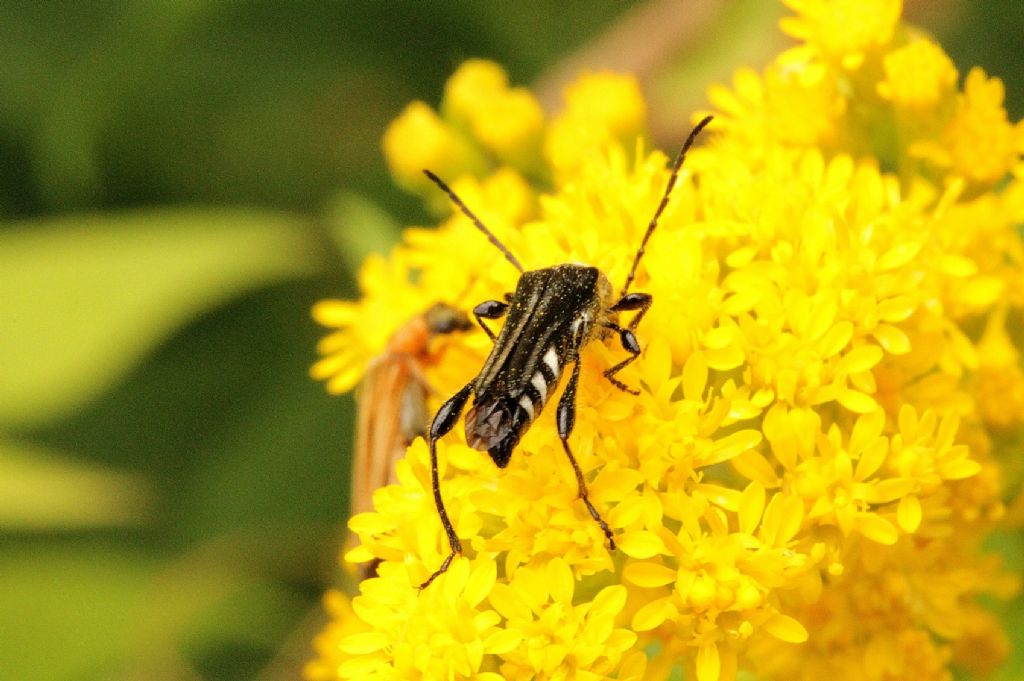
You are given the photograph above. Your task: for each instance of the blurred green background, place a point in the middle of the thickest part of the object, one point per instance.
(180, 181)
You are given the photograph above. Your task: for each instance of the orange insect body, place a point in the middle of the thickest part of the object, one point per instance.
(392, 400)
(411, 339)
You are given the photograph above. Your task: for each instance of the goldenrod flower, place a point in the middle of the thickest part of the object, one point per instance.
(830, 387)
(843, 29)
(344, 624)
(600, 109)
(420, 138)
(978, 142)
(999, 388)
(918, 75)
(507, 122)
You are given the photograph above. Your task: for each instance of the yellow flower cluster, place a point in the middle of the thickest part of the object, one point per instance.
(831, 387)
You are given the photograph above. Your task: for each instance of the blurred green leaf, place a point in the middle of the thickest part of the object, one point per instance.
(224, 422)
(218, 609)
(87, 297)
(42, 490)
(67, 611)
(240, 633)
(91, 610)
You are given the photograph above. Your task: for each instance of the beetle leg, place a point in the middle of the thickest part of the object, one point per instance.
(630, 345)
(641, 302)
(566, 418)
(634, 301)
(446, 418)
(489, 309)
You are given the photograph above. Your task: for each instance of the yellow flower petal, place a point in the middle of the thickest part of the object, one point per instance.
(785, 628)
(860, 359)
(366, 642)
(641, 544)
(733, 445)
(503, 641)
(695, 377)
(857, 401)
(708, 667)
(751, 507)
(908, 514)
(876, 528)
(892, 339)
(648, 575)
(653, 614)
(560, 581)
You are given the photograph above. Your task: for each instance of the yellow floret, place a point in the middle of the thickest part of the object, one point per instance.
(918, 75)
(843, 29)
(419, 139)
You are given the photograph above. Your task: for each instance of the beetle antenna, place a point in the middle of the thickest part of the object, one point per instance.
(476, 221)
(664, 199)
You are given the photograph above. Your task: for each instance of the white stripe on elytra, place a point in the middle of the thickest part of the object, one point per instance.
(542, 388)
(551, 359)
(526, 404)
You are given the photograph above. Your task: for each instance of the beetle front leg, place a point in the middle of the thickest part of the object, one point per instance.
(489, 309)
(631, 301)
(566, 417)
(634, 301)
(446, 418)
(630, 345)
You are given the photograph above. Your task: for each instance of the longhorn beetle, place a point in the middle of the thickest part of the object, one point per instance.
(551, 316)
